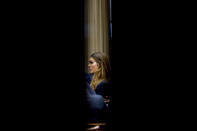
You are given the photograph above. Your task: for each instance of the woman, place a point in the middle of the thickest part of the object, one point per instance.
(99, 69)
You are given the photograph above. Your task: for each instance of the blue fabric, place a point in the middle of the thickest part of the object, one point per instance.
(89, 78)
(103, 89)
(89, 90)
(96, 105)
(98, 110)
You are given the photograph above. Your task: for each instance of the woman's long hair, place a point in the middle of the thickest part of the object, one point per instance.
(104, 70)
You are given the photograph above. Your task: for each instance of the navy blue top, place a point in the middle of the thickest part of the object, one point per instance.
(103, 88)
(97, 107)
(95, 101)
(89, 78)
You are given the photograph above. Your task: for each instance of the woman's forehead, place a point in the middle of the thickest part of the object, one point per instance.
(91, 59)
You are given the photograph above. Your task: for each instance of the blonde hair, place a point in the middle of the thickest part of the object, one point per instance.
(104, 69)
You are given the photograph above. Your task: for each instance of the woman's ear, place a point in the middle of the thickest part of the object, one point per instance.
(99, 66)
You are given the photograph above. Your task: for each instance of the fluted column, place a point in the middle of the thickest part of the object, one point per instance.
(97, 26)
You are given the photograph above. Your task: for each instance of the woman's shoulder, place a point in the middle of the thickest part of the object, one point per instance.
(104, 88)
(104, 82)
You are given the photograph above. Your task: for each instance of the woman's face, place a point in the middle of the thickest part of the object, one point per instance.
(92, 65)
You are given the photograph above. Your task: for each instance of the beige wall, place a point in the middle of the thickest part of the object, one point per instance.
(96, 27)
